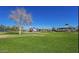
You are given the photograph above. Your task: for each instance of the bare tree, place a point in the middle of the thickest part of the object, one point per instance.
(21, 17)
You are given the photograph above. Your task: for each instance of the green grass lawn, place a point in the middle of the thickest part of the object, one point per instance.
(60, 42)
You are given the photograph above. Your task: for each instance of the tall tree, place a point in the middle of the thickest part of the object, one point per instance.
(21, 17)
(2, 27)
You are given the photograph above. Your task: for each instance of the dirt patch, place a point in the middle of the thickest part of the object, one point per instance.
(23, 35)
(4, 36)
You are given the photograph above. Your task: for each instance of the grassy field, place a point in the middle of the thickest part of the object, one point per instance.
(49, 42)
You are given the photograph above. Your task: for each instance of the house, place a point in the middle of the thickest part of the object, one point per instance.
(67, 29)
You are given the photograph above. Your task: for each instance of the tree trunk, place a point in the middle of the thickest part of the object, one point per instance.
(20, 31)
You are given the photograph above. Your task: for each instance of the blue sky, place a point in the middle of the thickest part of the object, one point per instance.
(43, 16)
